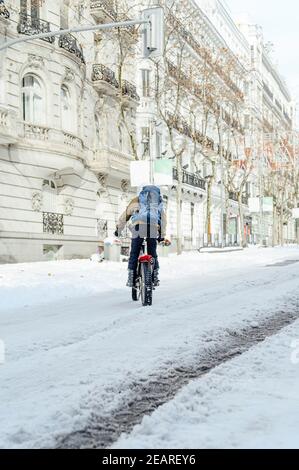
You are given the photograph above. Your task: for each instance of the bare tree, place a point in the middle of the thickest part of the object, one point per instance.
(281, 178)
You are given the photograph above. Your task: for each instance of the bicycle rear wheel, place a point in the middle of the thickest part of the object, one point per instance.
(146, 285)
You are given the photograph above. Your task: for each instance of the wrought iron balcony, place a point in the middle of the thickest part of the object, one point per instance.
(205, 54)
(191, 179)
(287, 117)
(278, 105)
(184, 128)
(268, 91)
(70, 44)
(53, 223)
(3, 10)
(102, 73)
(130, 90)
(31, 25)
(101, 9)
(234, 197)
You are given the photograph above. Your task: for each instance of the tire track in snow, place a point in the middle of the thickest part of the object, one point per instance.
(153, 391)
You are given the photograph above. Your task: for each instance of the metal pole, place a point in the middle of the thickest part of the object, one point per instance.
(151, 152)
(223, 241)
(61, 32)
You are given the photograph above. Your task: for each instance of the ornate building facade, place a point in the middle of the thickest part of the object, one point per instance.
(75, 111)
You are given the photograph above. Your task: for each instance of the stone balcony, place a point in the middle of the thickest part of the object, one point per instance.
(103, 11)
(104, 79)
(57, 140)
(112, 162)
(8, 126)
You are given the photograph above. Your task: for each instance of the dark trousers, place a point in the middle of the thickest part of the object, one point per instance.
(136, 245)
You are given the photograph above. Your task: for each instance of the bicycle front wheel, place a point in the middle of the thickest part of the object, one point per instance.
(146, 285)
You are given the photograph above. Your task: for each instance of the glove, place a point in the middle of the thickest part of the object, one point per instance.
(160, 239)
(164, 241)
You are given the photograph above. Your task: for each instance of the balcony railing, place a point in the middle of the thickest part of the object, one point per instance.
(205, 54)
(72, 141)
(234, 197)
(130, 90)
(53, 223)
(36, 132)
(287, 117)
(3, 10)
(278, 105)
(191, 179)
(31, 25)
(69, 43)
(184, 128)
(268, 91)
(197, 91)
(102, 73)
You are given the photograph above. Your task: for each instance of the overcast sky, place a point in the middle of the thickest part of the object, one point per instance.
(280, 22)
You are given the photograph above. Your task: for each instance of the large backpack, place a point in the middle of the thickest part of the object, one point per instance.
(150, 206)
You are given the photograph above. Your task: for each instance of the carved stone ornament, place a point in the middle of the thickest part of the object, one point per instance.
(69, 75)
(102, 178)
(124, 186)
(35, 61)
(99, 106)
(69, 206)
(37, 201)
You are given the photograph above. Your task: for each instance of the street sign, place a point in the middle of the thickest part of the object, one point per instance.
(254, 204)
(153, 33)
(163, 172)
(267, 204)
(140, 172)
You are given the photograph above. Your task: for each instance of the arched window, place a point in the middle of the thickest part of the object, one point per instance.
(33, 100)
(50, 195)
(67, 116)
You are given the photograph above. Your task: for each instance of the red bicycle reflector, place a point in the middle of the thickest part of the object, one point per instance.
(145, 259)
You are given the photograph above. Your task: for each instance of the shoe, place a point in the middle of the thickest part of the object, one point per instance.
(131, 276)
(156, 281)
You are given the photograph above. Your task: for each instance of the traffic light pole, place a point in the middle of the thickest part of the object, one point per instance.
(79, 29)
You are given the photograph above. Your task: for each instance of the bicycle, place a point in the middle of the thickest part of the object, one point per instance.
(143, 283)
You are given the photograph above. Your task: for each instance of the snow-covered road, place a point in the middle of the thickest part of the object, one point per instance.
(250, 402)
(75, 342)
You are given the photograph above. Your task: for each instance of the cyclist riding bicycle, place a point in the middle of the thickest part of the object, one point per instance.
(148, 221)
